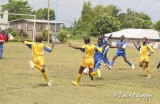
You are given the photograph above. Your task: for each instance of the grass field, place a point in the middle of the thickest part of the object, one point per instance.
(21, 85)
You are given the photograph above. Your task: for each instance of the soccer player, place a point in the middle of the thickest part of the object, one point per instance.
(121, 45)
(105, 50)
(98, 57)
(88, 60)
(158, 65)
(38, 55)
(3, 39)
(145, 51)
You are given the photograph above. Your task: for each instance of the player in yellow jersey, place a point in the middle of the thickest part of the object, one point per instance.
(88, 60)
(145, 51)
(38, 55)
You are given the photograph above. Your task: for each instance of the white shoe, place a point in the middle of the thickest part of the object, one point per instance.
(31, 63)
(110, 67)
(148, 76)
(132, 67)
(50, 83)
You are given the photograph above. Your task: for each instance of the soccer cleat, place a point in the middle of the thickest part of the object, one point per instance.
(132, 67)
(148, 76)
(75, 83)
(110, 67)
(49, 82)
(31, 63)
(98, 73)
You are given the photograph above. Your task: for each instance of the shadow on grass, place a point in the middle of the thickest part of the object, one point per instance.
(42, 85)
(121, 69)
(25, 74)
(143, 75)
(90, 85)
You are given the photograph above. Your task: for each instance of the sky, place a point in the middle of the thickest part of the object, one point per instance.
(68, 10)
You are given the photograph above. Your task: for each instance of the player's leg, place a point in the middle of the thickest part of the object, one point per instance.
(76, 82)
(112, 62)
(90, 73)
(147, 70)
(45, 75)
(96, 68)
(105, 59)
(158, 65)
(128, 62)
(140, 64)
(1, 51)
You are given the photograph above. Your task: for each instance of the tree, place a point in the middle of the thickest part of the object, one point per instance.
(17, 6)
(43, 14)
(86, 16)
(104, 24)
(133, 19)
(157, 25)
(111, 10)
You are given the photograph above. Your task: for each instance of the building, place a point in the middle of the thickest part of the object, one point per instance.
(136, 35)
(4, 20)
(28, 25)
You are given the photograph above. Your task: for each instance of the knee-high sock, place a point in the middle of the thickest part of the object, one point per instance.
(112, 63)
(43, 73)
(148, 71)
(45, 76)
(94, 73)
(129, 63)
(38, 67)
(107, 61)
(78, 78)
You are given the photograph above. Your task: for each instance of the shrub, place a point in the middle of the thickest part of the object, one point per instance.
(62, 36)
(45, 35)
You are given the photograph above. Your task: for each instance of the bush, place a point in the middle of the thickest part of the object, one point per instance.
(62, 36)
(45, 35)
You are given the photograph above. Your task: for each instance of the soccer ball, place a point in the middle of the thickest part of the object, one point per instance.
(86, 71)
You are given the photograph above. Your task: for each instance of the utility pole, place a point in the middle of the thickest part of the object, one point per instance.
(48, 22)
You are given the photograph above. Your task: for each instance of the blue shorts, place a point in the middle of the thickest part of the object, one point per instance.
(97, 64)
(121, 54)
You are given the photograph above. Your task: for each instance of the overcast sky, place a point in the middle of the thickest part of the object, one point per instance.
(68, 10)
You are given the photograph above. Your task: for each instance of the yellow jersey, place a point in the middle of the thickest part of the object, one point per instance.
(37, 48)
(89, 50)
(145, 49)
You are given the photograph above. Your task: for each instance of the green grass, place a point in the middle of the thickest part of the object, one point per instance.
(21, 85)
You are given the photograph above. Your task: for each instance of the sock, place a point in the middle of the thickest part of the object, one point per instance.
(107, 61)
(38, 67)
(78, 77)
(94, 73)
(130, 64)
(112, 63)
(148, 71)
(45, 76)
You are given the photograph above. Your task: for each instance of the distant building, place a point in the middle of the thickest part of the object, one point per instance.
(28, 25)
(137, 35)
(4, 20)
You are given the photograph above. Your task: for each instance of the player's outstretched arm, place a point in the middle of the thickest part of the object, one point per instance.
(110, 37)
(72, 46)
(52, 46)
(158, 66)
(21, 34)
(134, 44)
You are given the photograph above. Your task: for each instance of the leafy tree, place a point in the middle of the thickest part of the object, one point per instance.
(133, 19)
(157, 25)
(104, 24)
(43, 14)
(86, 16)
(17, 6)
(63, 36)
